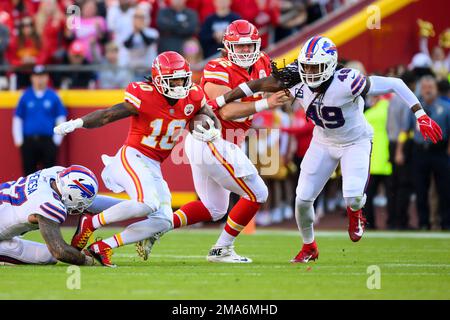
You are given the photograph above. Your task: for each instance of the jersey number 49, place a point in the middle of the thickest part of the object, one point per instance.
(326, 117)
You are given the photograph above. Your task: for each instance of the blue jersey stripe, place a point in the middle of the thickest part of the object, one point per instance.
(59, 210)
(362, 82)
(52, 214)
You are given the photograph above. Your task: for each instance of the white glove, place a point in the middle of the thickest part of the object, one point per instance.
(68, 126)
(207, 135)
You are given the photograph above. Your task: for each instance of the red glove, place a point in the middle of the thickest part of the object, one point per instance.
(429, 129)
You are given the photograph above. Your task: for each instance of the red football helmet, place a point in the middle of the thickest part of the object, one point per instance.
(242, 32)
(171, 65)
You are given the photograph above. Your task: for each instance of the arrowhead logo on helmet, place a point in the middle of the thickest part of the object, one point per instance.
(317, 61)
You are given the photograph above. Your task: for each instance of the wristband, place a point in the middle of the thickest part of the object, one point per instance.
(261, 105)
(78, 123)
(220, 100)
(419, 113)
(246, 89)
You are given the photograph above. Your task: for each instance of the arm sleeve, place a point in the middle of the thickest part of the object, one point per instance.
(17, 131)
(383, 85)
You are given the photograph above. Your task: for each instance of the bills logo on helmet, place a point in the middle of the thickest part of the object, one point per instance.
(87, 190)
(329, 48)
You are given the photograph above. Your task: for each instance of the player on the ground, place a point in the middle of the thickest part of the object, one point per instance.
(220, 166)
(333, 100)
(159, 109)
(41, 201)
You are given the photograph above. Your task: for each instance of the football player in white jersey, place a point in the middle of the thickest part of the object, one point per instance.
(41, 201)
(334, 100)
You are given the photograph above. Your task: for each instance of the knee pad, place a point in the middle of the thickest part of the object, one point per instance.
(355, 203)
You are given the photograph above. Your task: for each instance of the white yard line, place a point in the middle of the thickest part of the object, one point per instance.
(343, 233)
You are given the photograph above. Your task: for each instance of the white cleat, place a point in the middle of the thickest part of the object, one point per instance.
(144, 247)
(226, 255)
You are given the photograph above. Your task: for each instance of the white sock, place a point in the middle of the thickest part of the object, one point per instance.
(304, 215)
(225, 239)
(122, 211)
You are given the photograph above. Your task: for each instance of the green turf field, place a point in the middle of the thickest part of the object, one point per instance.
(412, 266)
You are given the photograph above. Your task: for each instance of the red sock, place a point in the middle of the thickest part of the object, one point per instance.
(240, 216)
(190, 213)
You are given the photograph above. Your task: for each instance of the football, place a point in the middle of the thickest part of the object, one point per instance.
(199, 119)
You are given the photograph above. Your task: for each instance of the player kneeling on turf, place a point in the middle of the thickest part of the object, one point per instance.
(41, 201)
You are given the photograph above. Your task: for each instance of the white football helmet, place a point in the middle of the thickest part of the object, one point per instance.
(321, 52)
(78, 187)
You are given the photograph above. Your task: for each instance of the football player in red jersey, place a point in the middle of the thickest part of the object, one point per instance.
(158, 109)
(220, 166)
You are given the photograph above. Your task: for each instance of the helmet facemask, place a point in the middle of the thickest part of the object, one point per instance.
(164, 86)
(315, 79)
(244, 60)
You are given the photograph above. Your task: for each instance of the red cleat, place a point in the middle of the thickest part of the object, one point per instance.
(84, 230)
(356, 224)
(102, 252)
(309, 252)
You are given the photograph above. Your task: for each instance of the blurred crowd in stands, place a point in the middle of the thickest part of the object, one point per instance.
(112, 34)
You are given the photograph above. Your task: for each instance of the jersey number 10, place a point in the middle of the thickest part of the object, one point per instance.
(166, 141)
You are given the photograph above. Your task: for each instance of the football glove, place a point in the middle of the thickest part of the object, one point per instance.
(68, 126)
(206, 135)
(429, 129)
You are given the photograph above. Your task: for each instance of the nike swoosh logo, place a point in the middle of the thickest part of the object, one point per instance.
(212, 65)
(361, 231)
(353, 76)
(133, 85)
